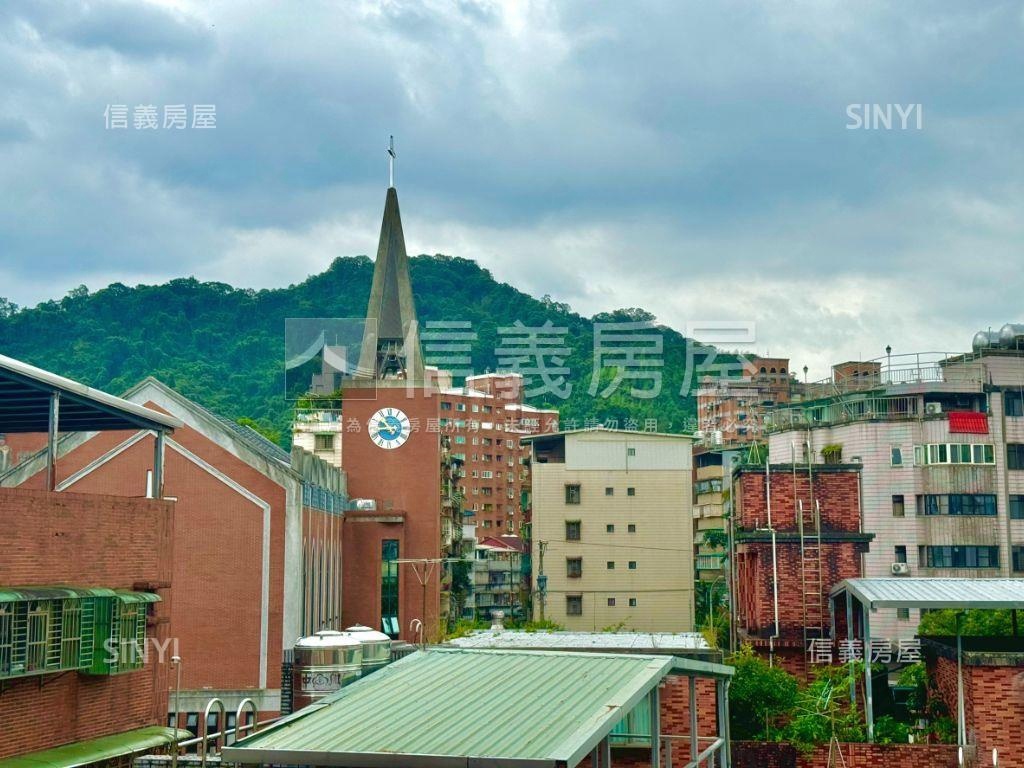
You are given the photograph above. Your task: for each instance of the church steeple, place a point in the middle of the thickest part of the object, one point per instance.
(391, 343)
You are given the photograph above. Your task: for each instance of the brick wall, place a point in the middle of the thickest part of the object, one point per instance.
(674, 693)
(837, 492)
(993, 706)
(86, 541)
(747, 754)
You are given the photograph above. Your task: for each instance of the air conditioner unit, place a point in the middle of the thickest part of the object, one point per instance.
(900, 569)
(933, 408)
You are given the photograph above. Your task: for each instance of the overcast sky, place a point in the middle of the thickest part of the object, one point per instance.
(691, 158)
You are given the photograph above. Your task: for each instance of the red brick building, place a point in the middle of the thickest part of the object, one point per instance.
(816, 521)
(485, 420)
(257, 541)
(731, 411)
(85, 585)
(993, 672)
(417, 452)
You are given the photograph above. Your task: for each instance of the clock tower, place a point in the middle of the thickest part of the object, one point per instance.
(393, 459)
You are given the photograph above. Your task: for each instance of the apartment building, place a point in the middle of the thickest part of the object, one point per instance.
(731, 410)
(940, 440)
(485, 420)
(613, 529)
(712, 475)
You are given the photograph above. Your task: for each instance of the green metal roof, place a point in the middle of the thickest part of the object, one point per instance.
(447, 707)
(97, 750)
(18, 594)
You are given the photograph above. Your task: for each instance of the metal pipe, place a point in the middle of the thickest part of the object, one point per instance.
(849, 636)
(655, 728)
(693, 718)
(775, 558)
(869, 709)
(176, 663)
(206, 726)
(239, 727)
(961, 726)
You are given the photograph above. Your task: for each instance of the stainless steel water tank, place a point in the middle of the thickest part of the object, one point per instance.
(985, 340)
(324, 662)
(376, 647)
(1011, 336)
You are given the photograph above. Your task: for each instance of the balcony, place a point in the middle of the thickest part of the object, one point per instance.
(709, 562)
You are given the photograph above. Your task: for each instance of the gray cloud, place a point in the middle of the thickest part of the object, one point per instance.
(691, 157)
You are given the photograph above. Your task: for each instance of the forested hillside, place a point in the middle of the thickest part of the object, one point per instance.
(224, 346)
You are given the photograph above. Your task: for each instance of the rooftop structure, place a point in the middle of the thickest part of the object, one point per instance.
(544, 710)
(617, 642)
(940, 441)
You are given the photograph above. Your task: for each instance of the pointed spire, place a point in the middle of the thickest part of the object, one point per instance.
(391, 344)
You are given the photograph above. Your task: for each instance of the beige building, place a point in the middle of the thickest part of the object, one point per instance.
(613, 529)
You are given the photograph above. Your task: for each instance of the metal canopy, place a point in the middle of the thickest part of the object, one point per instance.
(924, 592)
(448, 707)
(26, 395)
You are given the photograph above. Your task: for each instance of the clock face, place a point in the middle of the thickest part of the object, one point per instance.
(389, 428)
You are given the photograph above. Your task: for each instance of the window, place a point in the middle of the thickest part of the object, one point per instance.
(1014, 456)
(1018, 558)
(572, 530)
(572, 494)
(460, 406)
(389, 586)
(955, 453)
(609, 491)
(610, 565)
(1014, 403)
(323, 442)
(574, 605)
(896, 456)
(460, 439)
(574, 567)
(631, 528)
(964, 556)
(632, 602)
(898, 509)
(900, 553)
(1016, 507)
(611, 602)
(445, 405)
(610, 528)
(632, 565)
(631, 491)
(963, 504)
(631, 451)
(903, 613)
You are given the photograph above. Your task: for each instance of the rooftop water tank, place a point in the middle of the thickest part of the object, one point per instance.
(376, 647)
(1011, 336)
(324, 662)
(985, 340)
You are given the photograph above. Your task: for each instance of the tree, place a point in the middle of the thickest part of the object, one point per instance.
(7, 307)
(977, 623)
(760, 696)
(822, 711)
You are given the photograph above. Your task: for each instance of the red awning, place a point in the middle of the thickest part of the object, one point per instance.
(968, 422)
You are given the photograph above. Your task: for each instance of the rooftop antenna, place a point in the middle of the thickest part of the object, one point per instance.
(391, 161)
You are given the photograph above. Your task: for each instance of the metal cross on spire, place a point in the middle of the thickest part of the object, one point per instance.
(391, 161)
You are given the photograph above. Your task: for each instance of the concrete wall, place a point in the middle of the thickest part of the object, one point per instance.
(662, 544)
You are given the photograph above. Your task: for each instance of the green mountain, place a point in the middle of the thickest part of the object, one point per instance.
(224, 346)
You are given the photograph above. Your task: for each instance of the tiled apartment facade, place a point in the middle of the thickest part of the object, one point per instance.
(942, 457)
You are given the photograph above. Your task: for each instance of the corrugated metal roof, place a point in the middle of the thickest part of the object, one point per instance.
(646, 641)
(448, 706)
(921, 592)
(97, 750)
(18, 594)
